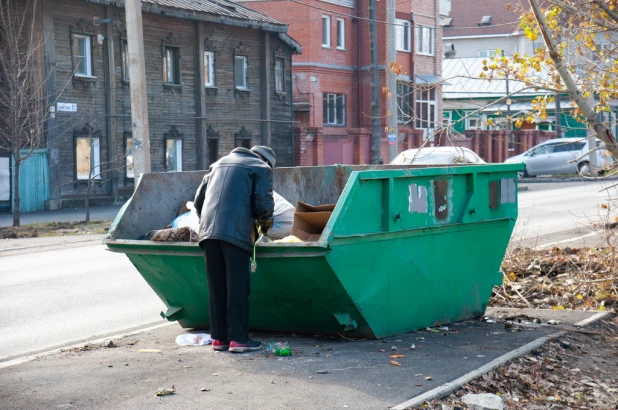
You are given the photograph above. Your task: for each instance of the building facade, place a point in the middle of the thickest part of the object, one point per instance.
(332, 78)
(218, 77)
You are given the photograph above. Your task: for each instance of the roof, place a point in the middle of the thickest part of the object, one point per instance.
(214, 11)
(466, 19)
(461, 81)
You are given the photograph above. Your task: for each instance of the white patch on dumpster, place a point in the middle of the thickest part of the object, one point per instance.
(507, 191)
(418, 199)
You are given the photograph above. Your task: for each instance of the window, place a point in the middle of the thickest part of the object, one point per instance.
(82, 55)
(128, 154)
(426, 108)
(209, 69)
(240, 72)
(474, 123)
(404, 96)
(326, 31)
(173, 154)
(171, 66)
(87, 158)
(402, 35)
(125, 61)
(569, 146)
(279, 78)
(424, 40)
(340, 34)
(447, 118)
(486, 53)
(242, 138)
(213, 150)
(334, 109)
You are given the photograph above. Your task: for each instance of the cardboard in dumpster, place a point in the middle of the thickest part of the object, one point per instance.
(310, 221)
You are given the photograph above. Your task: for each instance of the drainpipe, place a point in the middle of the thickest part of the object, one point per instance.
(359, 68)
(412, 68)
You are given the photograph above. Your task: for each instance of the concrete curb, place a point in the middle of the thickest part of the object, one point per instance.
(450, 387)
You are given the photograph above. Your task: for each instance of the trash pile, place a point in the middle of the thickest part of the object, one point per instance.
(303, 223)
(581, 279)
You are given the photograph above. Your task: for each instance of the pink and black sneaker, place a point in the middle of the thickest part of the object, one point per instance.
(246, 346)
(220, 345)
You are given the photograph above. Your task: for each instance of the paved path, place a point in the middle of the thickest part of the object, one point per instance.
(63, 215)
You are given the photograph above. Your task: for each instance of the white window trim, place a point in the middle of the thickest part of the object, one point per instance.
(77, 37)
(95, 171)
(431, 105)
(209, 82)
(474, 117)
(341, 34)
(403, 26)
(282, 90)
(447, 115)
(326, 21)
(335, 124)
(486, 53)
(245, 86)
(432, 41)
(178, 146)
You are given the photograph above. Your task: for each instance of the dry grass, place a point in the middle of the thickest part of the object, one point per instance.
(55, 229)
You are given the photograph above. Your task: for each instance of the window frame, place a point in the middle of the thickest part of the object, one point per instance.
(403, 35)
(211, 81)
(245, 66)
(404, 102)
(419, 39)
(326, 109)
(485, 53)
(75, 37)
(178, 142)
(326, 31)
(124, 60)
(128, 159)
(341, 34)
(431, 105)
(281, 89)
(95, 151)
(176, 63)
(474, 118)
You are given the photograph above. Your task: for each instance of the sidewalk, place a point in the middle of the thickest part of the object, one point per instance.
(62, 215)
(323, 373)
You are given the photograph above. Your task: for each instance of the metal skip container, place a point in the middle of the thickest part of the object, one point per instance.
(405, 248)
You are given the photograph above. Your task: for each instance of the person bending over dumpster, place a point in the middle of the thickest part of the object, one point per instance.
(234, 198)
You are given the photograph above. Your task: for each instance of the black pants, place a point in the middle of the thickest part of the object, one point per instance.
(227, 268)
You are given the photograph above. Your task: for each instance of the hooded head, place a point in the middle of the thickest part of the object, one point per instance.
(267, 153)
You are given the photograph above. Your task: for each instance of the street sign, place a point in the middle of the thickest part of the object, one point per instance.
(67, 107)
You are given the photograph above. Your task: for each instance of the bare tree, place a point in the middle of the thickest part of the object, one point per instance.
(23, 103)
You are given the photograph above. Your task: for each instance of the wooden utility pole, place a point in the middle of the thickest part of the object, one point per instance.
(137, 73)
(391, 81)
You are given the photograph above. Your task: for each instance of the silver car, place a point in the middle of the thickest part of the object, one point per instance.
(561, 156)
(437, 156)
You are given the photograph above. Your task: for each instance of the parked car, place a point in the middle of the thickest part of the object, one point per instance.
(437, 156)
(561, 156)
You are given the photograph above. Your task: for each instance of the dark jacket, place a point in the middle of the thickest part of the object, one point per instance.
(236, 194)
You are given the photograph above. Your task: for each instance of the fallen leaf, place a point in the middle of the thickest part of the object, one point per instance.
(428, 378)
(165, 392)
(382, 350)
(394, 363)
(397, 356)
(205, 389)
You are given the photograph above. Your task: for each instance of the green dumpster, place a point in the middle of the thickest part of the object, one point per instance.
(405, 248)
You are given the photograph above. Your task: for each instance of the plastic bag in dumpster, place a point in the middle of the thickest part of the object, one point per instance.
(184, 234)
(283, 217)
(310, 221)
(290, 238)
(189, 219)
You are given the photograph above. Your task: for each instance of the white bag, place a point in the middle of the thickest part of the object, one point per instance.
(283, 216)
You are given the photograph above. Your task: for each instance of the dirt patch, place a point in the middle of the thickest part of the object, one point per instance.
(576, 371)
(55, 229)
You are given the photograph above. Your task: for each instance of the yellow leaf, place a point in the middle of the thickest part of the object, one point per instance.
(602, 308)
(397, 356)
(394, 363)
(580, 297)
(604, 206)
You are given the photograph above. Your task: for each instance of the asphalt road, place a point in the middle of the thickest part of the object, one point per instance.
(55, 295)
(51, 298)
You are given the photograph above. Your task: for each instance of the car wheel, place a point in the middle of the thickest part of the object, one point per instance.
(524, 174)
(583, 169)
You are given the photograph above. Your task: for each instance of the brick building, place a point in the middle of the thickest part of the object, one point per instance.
(218, 76)
(332, 78)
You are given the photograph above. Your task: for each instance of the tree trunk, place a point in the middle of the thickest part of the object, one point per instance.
(87, 203)
(587, 109)
(16, 198)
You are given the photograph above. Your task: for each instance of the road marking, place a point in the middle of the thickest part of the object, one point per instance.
(566, 240)
(30, 358)
(448, 388)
